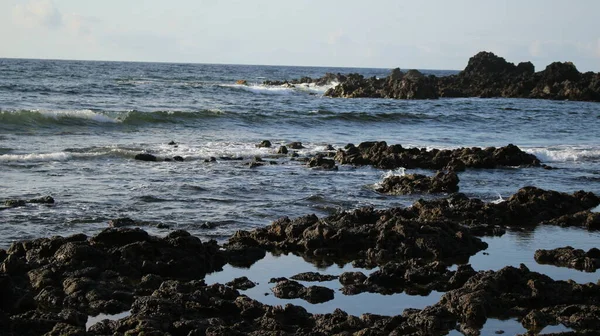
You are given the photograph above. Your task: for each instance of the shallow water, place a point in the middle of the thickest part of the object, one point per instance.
(288, 265)
(517, 247)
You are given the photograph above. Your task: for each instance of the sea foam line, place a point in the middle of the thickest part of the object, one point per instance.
(564, 154)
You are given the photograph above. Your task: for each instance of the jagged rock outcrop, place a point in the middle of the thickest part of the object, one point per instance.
(441, 182)
(486, 75)
(380, 155)
(569, 257)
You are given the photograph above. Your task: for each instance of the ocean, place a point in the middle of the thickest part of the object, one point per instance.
(71, 129)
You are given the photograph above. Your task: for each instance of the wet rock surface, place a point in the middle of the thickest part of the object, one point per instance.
(45, 279)
(50, 285)
(486, 75)
(518, 292)
(242, 283)
(378, 154)
(570, 257)
(375, 236)
(415, 277)
(313, 277)
(441, 182)
(290, 289)
(15, 203)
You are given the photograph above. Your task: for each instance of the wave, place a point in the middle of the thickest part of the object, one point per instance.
(566, 153)
(89, 117)
(33, 157)
(61, 117)
(369, 116)
(310, 88)
(261, 89)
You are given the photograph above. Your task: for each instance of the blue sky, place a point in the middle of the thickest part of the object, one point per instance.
(426, 34)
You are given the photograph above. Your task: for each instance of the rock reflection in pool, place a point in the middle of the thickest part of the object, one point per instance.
(511, 327)
(288, 265)
(516, 247)
(95, 319)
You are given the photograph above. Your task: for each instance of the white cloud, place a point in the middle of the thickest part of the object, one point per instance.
(38, 13)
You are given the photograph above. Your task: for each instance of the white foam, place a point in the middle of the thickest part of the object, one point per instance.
(33, 157)
(262, 89)
(283, 89)
(229, 149)
(312, 87)
(396, 172)
(565, 153)
(81, 114)
(499, 200)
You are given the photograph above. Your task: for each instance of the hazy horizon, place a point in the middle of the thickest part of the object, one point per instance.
(430, 34)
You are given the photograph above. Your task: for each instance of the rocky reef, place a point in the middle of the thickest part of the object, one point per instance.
(50, 286)
(381, 155)
(486, 75)
(441, 182)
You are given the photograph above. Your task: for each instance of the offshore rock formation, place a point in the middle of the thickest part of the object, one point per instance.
(486, 75)
(380, 155)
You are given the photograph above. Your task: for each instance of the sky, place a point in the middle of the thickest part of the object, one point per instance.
(423, 34)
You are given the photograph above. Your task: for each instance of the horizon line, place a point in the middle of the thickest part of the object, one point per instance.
(200, 63)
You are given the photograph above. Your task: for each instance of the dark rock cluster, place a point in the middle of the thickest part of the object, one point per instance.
(486, 75)
(374, 236)
(55, 281)
(441, 182)
(569, 257)
(380, 155)
(290, 289)
(435, 229)
(14, 203)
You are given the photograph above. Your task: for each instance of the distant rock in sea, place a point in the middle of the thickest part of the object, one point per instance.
(486, 76)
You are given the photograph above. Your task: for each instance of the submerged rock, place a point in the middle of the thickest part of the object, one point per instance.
(146, 157)
(295, 145)
(264, 144)
(15, 203)
(319, 161)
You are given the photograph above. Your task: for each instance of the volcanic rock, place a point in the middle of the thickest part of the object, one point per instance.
(417, 183)
(146, 157)
(242, 283)
(313, 276)
(569, 257)
(380, 155)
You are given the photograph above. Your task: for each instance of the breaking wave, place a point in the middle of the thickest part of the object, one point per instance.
(566, 154)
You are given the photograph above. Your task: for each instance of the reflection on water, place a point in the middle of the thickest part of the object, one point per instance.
(288, 265)
(511, 327)
(516, 247)
(95, 319)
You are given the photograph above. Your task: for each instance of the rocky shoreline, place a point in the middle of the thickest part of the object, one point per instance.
(49, 286)
(486, 75)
